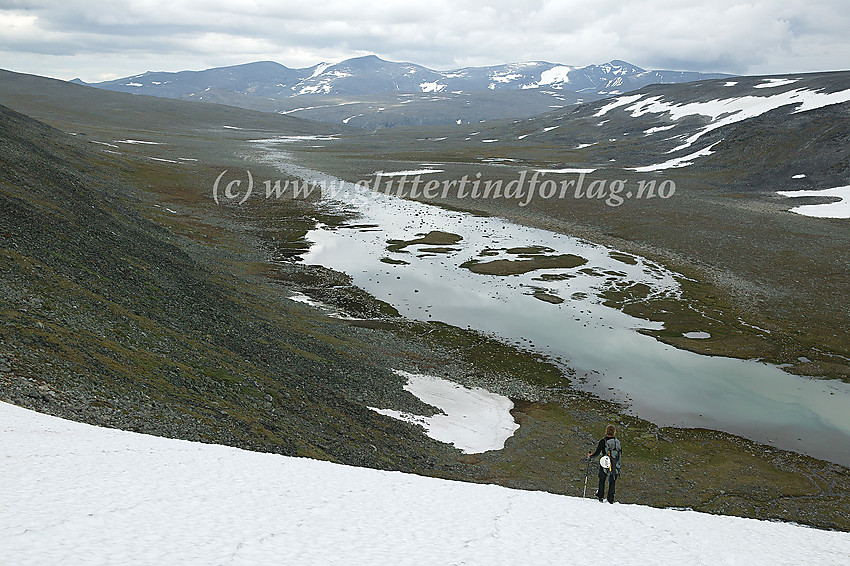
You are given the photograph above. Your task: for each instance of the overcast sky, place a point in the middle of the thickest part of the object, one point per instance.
(100, 40)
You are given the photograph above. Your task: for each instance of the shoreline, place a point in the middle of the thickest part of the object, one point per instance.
(662, 414)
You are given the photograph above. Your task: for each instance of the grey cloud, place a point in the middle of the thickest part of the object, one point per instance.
(723, 35)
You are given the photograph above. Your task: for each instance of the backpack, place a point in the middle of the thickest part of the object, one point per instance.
(614, 450)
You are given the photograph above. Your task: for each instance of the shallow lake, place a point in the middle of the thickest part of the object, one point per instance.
(669, 386)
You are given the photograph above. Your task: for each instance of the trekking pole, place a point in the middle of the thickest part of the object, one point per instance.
(586, 473)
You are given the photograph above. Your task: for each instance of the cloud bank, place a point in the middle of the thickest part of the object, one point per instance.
(100, 40)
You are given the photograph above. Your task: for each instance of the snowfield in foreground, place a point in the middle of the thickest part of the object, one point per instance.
(79, 494)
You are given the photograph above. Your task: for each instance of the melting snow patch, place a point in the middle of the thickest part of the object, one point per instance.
(488, 141)
(432, 87)
(506, 78)
(800, 176)
(770, 83)
(584, 145)
(473, 420)
(293, 139)
(678, 161)
(555, 75)
(138, 142)
(658, 129)
(730, 83)
(567, 170)
(621, 101)
(135, 84)
(550, 128)
(302, 298)
(104, 143)
(231, 127)
(697, 335)
(838, 209)
(411, 172)
(161, 159)
(723, 112)
(320, 68)
(330, 311)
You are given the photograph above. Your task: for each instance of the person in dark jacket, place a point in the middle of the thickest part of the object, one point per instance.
(608, 446)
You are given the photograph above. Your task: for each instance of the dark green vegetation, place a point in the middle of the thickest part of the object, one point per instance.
(432, 238)
(131, 300)
(515, 266)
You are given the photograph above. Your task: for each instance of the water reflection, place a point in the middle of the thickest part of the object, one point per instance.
(656, 381)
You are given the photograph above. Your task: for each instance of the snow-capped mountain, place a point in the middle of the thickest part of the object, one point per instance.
(372, 75)
(769, 129)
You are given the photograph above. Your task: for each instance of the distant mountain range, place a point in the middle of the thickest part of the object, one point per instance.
(377, 89)
(372, 75)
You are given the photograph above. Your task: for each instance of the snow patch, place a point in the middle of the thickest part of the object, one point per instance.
(683, 161)
(329, 310)
(138, 142)
(505, 78)
(77, 494)
(650, 131)
(837, 209)
(725, 111)
(320, 68)
(567, 170)
(800, 176)
(293, 139)
(770, 83)
(555, 75)
(432, 87)
(104, 143)
(473, 420)
(697, 335)
(411, 172)
(616, 103)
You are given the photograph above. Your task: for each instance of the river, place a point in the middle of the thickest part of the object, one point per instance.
(658, 382)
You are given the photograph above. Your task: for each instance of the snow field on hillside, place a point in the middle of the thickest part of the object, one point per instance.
(78, 494)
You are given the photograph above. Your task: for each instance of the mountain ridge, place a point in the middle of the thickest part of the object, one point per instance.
(370, 75)
(371, 93)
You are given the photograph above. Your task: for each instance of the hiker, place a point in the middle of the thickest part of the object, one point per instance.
(609, 447)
